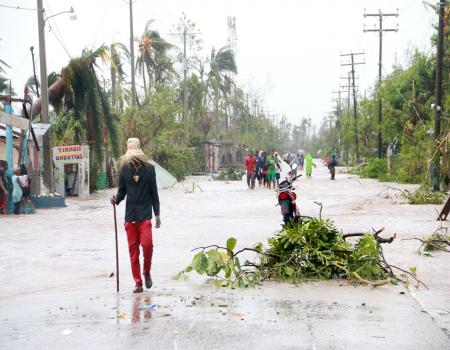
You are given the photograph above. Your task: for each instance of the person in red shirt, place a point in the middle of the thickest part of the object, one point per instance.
(250, 164)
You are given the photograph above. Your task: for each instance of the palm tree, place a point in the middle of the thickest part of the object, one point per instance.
(4, 85)
(119, 53)
(78, 90)
(153, 57)
(2, 64)
(221, 64)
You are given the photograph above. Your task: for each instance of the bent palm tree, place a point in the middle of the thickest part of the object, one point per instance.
(153, 57)
(221, 64)
(78, 90)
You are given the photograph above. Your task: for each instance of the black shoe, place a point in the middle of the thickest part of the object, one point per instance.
(148, 281)
(138, 289)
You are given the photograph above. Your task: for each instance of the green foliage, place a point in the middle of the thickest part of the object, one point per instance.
(176, 159)
(315, 249)
(374, 168)
(437, 241)
(311, 250)
(222, 264)
(230, 175)
(424, 195)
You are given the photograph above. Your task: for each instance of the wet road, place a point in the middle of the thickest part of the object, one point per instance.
(56, 292)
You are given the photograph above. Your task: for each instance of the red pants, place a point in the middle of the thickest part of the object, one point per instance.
(140, 233)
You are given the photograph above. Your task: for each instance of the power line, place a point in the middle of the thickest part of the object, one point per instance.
(18, 8)
(62, 42)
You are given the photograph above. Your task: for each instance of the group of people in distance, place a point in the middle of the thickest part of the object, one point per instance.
(266, 167)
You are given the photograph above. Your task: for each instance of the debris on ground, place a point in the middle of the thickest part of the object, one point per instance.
(230, 175)
(312, 249)
(121, 315)
(151, 307)
(439, 240)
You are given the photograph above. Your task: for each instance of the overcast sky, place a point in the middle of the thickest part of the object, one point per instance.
(288, 48)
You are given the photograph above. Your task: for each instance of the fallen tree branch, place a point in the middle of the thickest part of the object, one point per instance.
(433, 242)
(375, 234)
(356, 276)
(408, 273)
(320, 211)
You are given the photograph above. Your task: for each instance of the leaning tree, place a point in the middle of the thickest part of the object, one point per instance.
(82, 107)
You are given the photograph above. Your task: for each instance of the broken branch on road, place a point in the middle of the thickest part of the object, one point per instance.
(312, 249)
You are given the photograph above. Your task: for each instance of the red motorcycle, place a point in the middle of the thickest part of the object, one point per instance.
(287, 200)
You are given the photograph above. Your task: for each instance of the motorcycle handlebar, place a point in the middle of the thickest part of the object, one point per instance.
(295, 178)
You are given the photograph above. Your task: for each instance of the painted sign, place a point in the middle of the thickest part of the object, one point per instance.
(14, 121)
(68, 154)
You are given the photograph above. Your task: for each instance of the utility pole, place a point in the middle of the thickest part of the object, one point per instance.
(348, 78)
(339, 119)
(133, 80)
(380, 31)
(338, 101)
(438, 97)
(34, 71)
(355, 106)
(439, 62)
(44, 97)
(185, 97)
(185, 33)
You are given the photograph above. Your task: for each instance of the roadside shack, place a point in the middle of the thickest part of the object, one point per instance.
(71, 170)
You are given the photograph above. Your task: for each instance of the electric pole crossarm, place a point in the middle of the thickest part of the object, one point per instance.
(352, 54)
(378, 30)
(354, 64)
(380, 14)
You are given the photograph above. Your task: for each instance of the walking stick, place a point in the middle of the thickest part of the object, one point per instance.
(117, 248)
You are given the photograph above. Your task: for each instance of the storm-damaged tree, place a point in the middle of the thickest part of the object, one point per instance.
(218, 83)
(119, 55)
(83, 109)
(153, 61)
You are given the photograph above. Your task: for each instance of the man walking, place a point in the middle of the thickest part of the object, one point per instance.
(137, 182)
(332, 166)
(250, 164)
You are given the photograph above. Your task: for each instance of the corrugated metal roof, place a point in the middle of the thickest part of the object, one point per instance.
(164, 179)
(3, 132)
(40, 129)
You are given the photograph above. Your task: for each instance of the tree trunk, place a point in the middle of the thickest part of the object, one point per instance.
(55, 91)
(143, 77)
(113, 88)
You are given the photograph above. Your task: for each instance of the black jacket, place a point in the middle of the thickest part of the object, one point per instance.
(332, 164)
(141, 195)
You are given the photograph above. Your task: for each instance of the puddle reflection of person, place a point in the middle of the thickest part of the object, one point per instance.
(136, 312)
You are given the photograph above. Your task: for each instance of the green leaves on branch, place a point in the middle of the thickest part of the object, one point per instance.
(222, 263)
(311, 250)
